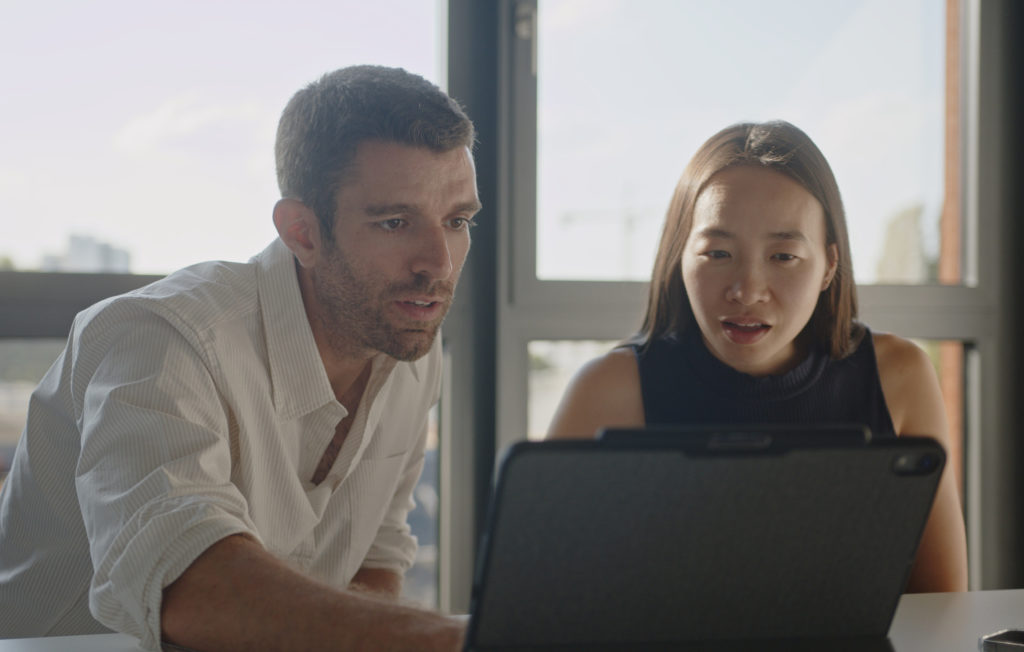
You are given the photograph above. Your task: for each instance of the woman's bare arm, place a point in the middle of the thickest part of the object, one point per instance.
(914, 398)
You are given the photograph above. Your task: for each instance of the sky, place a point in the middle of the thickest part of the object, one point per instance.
(629, 90)
(150, 126)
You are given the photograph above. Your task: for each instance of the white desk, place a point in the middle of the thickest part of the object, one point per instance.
(937, 622)
(929, 622)
(91, 643)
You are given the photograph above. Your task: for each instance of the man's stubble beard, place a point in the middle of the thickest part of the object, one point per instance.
(354, 311)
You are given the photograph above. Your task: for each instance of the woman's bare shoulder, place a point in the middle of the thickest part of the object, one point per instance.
(899, 359)
(604, 392)
(911, 386)
(611, 365)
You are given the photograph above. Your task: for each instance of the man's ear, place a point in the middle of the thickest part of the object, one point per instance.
(299, 229)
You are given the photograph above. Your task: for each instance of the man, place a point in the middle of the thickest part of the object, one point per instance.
(224, 459)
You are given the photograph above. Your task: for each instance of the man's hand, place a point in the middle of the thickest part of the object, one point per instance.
(237, 596)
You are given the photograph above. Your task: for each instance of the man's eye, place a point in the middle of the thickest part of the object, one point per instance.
(392, 224)
(462, 223)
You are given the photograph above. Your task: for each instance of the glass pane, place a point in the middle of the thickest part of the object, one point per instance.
(142, 134)
(22, 364)
(627, 91)
(420, 584)
(552, 365)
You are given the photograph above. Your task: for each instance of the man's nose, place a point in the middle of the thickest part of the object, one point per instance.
(748, 287)
(433, 256)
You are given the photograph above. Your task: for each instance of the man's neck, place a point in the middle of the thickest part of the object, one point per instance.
(346, 376)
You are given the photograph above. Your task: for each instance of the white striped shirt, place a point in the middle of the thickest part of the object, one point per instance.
(191, 409)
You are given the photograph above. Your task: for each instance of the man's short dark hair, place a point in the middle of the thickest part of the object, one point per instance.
(325, 122)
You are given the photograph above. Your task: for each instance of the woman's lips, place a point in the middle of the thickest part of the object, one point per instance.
(744, 332)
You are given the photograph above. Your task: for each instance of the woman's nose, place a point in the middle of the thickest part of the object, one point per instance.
(748, 287)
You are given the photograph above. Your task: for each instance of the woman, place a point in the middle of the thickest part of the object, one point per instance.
(751, 318)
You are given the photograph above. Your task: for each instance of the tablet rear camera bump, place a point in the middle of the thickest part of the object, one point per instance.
(915, 463)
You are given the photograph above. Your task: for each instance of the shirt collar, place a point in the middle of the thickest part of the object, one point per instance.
(297, 373)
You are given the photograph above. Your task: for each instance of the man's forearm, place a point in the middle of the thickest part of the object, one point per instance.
(236, 596)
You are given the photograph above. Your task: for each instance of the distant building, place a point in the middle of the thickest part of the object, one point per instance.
(903, 258)
(86, 254)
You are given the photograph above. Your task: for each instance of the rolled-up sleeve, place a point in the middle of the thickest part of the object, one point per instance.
(154, 474)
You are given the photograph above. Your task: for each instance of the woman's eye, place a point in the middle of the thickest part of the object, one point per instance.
(717, 254)
(784, 257)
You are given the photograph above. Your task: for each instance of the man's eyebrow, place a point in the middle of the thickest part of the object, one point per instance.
(469, 207)
(379, 210)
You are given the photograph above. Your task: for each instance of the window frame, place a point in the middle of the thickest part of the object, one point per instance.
(974, 312)
(501, 306)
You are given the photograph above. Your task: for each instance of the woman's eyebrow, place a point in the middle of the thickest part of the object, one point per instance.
(788, 235)
(714, 232)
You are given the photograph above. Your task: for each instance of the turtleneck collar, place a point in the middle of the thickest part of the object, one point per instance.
(720, 377)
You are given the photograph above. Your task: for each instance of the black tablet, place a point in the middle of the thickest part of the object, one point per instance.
(702, 537)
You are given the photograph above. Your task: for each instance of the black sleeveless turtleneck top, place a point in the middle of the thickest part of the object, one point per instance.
(683, 383)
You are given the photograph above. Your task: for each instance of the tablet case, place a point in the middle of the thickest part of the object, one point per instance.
(695, 536)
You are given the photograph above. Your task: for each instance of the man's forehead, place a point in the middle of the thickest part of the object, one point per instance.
(371, 147)
(376, 157)
(388, 178)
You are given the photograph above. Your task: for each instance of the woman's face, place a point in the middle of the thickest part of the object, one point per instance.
(754, 265)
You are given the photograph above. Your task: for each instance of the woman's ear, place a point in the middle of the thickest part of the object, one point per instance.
(832, 253)
(299, 230)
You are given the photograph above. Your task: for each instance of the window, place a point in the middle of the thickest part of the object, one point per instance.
(552, 364)
(142, 136)
(535, 301)
(611, 99)
(139, 138)
(22, 364)
(627, 91)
